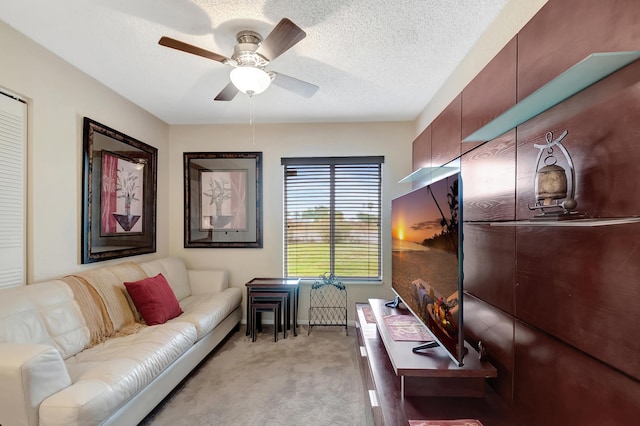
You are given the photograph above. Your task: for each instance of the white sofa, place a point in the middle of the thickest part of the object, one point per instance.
(73, 351)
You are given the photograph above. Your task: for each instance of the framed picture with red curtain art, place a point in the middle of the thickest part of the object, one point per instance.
(119, 194)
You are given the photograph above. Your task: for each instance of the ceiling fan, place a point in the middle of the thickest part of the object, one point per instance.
(250, 57)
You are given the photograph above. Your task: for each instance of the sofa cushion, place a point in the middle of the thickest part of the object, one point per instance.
(108, 375)
(206, 311)
(174, 270)
(208, 281)
(154, 299)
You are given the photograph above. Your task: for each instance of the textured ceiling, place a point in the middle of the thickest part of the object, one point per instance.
(374, 60)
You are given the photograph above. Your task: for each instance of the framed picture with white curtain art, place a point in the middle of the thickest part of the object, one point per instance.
(223, 192)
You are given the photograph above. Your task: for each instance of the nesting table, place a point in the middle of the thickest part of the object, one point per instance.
(276, 285)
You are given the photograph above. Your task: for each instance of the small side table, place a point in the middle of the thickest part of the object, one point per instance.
(328, 303)
(265, 307)
(257, 297)
(289, 285)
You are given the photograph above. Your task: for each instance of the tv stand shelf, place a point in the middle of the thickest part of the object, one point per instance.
(434, 362)
(401, 386)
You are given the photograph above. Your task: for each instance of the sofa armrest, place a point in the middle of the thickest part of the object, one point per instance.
(28, 375)
(208, 281)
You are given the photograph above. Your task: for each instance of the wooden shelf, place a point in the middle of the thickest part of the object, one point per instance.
(572, 223)
(386, 391)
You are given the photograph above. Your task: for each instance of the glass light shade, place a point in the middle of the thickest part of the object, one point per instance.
(250, 80)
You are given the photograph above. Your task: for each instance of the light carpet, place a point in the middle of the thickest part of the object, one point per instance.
(310, 380)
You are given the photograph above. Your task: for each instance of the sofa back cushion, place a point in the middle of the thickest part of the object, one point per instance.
(129, 271)
(20, 321)
(174, 270)
(154, 299)
(43, 313)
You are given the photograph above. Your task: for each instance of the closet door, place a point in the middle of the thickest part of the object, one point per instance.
(13, 138)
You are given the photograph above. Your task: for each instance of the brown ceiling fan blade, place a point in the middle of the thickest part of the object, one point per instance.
(189, 48)
(228, 93)
(284, 36)
(300, 87)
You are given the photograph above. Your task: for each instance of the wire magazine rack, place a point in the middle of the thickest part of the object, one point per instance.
(328, 303)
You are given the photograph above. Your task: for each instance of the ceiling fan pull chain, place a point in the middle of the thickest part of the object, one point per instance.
(251, 120)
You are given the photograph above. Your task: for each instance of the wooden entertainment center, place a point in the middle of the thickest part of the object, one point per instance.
(402, 386)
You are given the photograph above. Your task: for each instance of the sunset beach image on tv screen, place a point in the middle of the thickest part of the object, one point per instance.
(425, 264)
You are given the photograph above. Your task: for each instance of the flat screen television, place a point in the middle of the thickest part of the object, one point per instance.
(427, 260)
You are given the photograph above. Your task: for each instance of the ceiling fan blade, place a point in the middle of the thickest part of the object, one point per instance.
(300, 87)
(228, 93)
(185, 47)
(284, 36)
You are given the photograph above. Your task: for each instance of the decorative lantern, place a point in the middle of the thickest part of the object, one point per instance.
(555, 198)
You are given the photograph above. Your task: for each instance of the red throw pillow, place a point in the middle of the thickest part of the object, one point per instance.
(154, 299)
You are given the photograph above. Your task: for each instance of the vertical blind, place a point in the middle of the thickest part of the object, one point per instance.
(332, 217)
(13, 136)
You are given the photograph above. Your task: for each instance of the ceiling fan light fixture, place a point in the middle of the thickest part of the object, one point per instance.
(250, 80)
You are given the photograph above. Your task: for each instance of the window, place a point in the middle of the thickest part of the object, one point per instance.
(332, 217)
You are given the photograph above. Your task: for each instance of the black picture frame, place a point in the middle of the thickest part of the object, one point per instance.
(222, 199)
(119, 185)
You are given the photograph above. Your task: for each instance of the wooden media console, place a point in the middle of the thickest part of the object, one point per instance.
(401, 385)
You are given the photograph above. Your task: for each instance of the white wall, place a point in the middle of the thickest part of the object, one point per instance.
(393, 140)
(58, 97)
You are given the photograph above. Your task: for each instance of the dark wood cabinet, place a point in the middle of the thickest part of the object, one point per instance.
(422, 150)
(602, 122)
(490, 93)
(564, 32)
(489, 180)
(489, 270)
(445, 134)
(577, 284)
(556, 385)
(554, 305)
(493, 327)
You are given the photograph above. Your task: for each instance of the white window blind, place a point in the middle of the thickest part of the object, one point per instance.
(332, 217)
(13, 136)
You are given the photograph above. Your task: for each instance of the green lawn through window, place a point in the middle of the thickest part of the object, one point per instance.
(352, 260)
